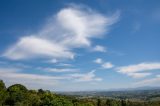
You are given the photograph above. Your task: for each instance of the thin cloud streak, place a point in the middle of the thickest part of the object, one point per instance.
(12, 76)
(99, 48)
(98, 61)
(138, 70)
(90, 76)
(60, 70)
(147, 82)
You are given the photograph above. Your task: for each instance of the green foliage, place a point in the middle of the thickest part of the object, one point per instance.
(98, 102)
(17, 87)
(3, 93)
(19, 95)
(32, 98)
(123, 103)
(2, 85)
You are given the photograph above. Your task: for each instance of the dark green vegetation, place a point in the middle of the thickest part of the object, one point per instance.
(19, 95)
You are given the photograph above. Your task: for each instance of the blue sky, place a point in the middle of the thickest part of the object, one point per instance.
(73, 45)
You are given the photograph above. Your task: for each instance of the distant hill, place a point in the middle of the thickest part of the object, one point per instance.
(142, 93)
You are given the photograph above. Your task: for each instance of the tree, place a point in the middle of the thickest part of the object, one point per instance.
(2, 85)
(17, 93)
(108, 102)
(33, 99)
(123, 103)
(98, 102)
(41, 91)
(3, 93)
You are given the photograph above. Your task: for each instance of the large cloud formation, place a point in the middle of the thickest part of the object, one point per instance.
(72, 27)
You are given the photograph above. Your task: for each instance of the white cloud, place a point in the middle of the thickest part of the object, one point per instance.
(99, 48)
(70, 28)
(65, 65)
(85, 77)
(14, 65)
(15, 75)
(104, 65)
(137, 71)
(98, 61)
(107, 65)
(53, 61)
(60, 69)
(31, 46)
(28, 76)
(139, 75)
(148, 82)
(9, 69)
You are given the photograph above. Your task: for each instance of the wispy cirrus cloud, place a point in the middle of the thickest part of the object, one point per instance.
(98, 61)
(147, 82)
(13, 75)
(90, 76)
(99, 48)
(104, 65)
(138, 70)
(59, 69)
(107, 65)
(139, 75)
(65, 65)
(72, 27)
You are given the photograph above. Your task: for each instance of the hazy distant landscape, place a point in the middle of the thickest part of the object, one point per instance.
(144, 95)
(19, 95)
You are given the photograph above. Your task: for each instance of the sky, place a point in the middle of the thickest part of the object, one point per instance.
(76, 45)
